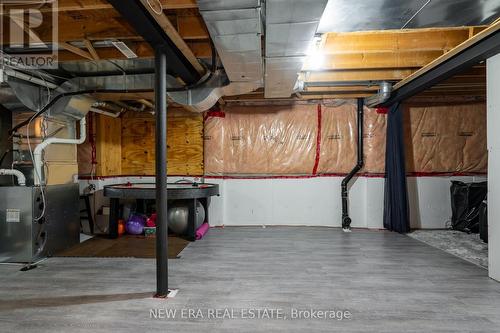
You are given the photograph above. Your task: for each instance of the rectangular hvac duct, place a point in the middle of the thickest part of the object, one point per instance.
(236, 28)
(290, 29)
(206, 5)
(281, 75)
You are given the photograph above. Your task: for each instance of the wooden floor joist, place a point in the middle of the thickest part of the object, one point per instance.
(174, 35)
(461, 47)
(75, 50)
(84, 5)
(357, 75)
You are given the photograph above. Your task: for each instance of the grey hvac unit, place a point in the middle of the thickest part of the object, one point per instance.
(22, 239)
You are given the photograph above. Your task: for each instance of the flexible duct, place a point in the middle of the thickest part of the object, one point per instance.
(21, 179)
(37, 154)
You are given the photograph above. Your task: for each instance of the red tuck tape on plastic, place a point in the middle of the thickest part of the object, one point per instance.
(318, 143)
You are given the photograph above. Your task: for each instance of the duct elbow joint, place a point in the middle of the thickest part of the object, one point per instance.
(21, 179)
(384, 93)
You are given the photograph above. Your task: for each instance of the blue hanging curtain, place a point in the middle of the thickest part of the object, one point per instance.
(396, 217)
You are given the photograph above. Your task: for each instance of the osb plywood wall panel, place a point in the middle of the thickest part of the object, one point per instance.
(108, 146)
(184, 137)
(282, 140)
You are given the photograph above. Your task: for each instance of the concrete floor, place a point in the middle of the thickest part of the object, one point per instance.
(388, 282)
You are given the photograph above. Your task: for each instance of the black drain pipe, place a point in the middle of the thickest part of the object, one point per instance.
(161, 104)
(346, 220)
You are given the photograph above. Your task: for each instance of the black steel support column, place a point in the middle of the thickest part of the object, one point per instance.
(346, 220)
(161, 174)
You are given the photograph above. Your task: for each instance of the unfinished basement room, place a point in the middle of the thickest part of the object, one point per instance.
(249, 166)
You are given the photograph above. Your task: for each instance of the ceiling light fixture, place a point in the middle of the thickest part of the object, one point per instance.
(315, 56)
(124, 49)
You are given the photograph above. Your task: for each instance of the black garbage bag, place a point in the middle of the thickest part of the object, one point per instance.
(466, 198)
(483, 221)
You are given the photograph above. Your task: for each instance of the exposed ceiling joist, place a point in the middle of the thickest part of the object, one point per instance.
(376, 60)
(91, 49)
(480, 47)
(82, 5)
(146, 25)
(357, 75)
(108, 24)
(75, 50)
(173, 34)
(441, 39)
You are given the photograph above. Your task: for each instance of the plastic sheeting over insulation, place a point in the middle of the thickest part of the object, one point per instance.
(321, 139)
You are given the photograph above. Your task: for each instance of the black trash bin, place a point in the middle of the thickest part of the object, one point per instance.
(466, 198)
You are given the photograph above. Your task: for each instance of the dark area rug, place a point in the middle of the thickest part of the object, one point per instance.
(124, 246)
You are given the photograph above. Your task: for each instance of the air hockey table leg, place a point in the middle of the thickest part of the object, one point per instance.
(114, 213)
(192, 217)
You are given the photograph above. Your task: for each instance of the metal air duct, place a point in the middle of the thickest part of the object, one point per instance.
(290, 29)
(236, 29)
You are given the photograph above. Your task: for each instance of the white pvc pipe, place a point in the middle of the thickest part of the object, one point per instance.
(37, 154)
(21, 179)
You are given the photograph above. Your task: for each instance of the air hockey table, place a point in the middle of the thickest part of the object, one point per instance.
(190, 193)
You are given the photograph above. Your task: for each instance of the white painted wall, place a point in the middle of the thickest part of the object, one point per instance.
(493, 114)
(316, 202)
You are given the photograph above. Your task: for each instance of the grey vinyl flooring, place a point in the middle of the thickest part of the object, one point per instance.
(387, 282)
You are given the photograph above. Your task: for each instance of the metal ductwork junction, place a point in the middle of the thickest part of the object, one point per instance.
(384, 93)
(290, 29)
(19, 93)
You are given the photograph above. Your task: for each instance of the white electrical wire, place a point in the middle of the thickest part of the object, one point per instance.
(154, 10)
(37, 175)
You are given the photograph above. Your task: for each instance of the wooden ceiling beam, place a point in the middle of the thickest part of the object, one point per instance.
(84, 5)
(356, 75)
(174, 35)
(91, 49)
(341, 89)
(402, 59)
(75, 50)
(192, 27)
(141, 49)
(108, 24)
(388, 41)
